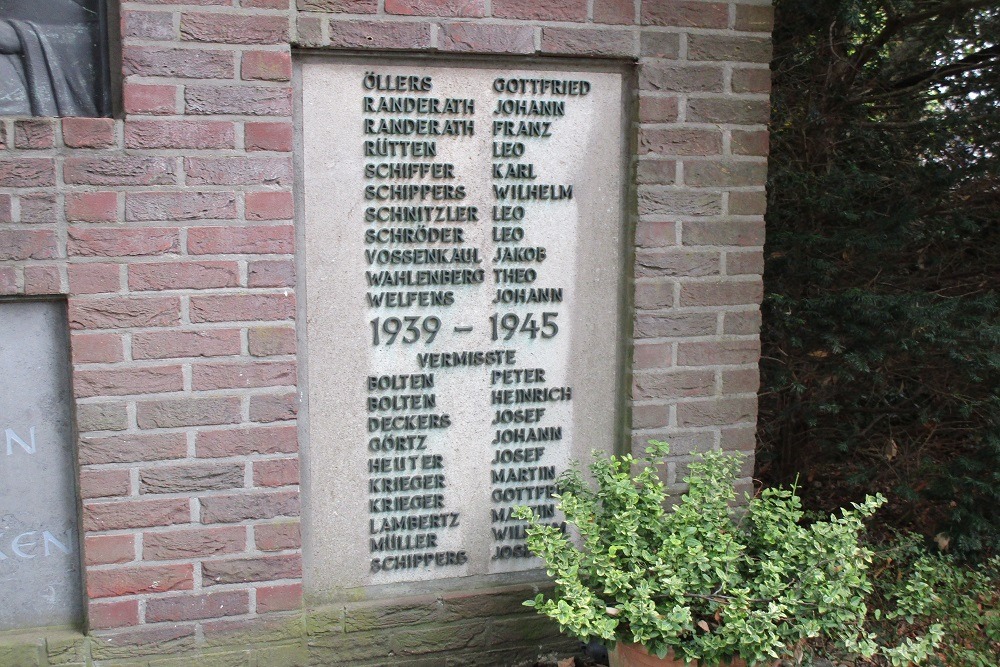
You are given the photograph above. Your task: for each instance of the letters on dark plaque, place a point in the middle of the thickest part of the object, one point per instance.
(53, 58)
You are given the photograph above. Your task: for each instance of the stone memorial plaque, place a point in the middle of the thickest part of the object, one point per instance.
(39, 554)
(464, 250)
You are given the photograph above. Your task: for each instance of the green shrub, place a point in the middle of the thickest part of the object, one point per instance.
(701, 580)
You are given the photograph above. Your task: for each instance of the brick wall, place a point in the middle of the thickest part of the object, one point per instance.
(170, 232)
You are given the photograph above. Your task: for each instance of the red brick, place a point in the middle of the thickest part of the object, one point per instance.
(657, 109)
(738, 438)
(532, 10)
(751, 80)
(270, 408)
(269, 206)
(379, 35)
(108, 549)
(721, 293)
(660, 45)
(672, 202)
(339, 6)
(654, 295)
(717, 412)
(121, 242)
(656, 172)
(670, 77)
(247, 506)
(242, 307)
(653, 355)
(266, 66)
(34, 133)
(589, 42)
(261, 568)
(239, 171)
(741, 381)
(93, 278)
(233, 28)
(125, 514)
(178, 63)
(268, 137)
(714, 353)
(173, 134)
(238, 100)
(279, 598)
(6, 212)
(277, 472)
(132, 448)
(96, 348)
(88, 132)
(620, 12)
(124, 311)
(117, 614)
(265, 4)
(8, 281)
(451, 8)
(745, 263)
(731, 232)
(42, 280)
(120, 382)
(191, 477)
(712, 173)
(750, 142)
(92, 206)
(188, 412)
(727, 47)
(24, 244)
(674, 325)
(650, 416)
(27, 172)
(119, 581)
(263, 239)
(103, 483)
(679, 141)
(145, 99)
(172, 206)
(309, 31)
(177, 344)
(197, 607)
(38, 207)
(686, 14)
(192, 543)
(100, 417)
(271, 273)
(673, 384)
(755, 18)
(486, 38)
(148, 25)
(271, 341)
(277, 536)
(182, 275)
(208, 376)
(120, 170)
(246, 441)
(729, 111)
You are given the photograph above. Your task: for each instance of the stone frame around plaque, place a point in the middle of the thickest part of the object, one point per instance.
(627, 159)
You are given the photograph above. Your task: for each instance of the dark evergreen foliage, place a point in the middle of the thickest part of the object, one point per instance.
(882, 312)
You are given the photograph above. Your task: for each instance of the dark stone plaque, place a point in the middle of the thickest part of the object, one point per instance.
(39, 550)
(53, 58)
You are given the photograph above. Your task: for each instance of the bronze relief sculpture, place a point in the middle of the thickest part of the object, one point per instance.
(52, 58)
